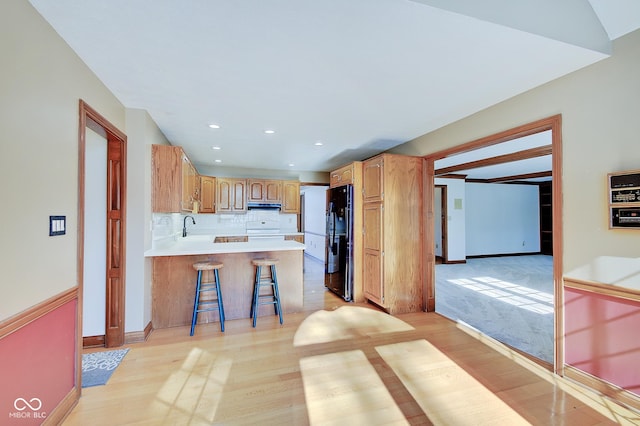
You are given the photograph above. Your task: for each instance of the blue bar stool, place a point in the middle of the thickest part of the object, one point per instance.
(271, 280)
(203, 287)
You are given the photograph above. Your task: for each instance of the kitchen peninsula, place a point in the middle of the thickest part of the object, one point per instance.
(173, 286)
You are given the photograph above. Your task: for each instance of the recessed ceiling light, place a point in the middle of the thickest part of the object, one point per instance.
(214, 126)
(269, 132)
(291, 164)
(216, 148)
(318, 143)
(218, 161)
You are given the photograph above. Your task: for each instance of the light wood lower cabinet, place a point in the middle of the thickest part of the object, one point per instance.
(393, 232)
(232, 239)
(174, 282)
(298, 238)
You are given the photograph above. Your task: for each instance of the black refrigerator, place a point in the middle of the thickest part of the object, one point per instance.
(338, 275)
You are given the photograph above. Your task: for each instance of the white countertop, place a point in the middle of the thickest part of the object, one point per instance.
(237, 232)
(203, 244)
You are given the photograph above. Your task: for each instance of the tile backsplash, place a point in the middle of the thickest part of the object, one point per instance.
(169, 225)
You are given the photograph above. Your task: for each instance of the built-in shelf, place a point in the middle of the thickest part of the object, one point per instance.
(546, 218)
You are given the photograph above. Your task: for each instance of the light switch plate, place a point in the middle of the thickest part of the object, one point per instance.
(57, 225)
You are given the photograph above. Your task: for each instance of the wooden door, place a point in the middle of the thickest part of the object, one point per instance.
(373, 252)
(114, 333)
(115, 226)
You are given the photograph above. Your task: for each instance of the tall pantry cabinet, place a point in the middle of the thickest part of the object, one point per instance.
(393, 232)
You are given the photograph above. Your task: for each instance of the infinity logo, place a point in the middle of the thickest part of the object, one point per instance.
(37, 404)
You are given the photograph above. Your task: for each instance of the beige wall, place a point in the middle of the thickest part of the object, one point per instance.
(600, 107)
(41, 82)
(142, 132)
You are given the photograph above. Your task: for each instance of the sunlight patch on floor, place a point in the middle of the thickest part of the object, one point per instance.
(446, 393)
(523, 297)
(192, 393)
(346, 322)
(344, 388)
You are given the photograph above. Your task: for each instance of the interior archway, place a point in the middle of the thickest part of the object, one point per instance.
(551, 125)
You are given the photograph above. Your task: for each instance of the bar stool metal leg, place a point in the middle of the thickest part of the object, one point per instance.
(276, 293)
(202, 305)
(194, 317)
(256, 293)
(220, 302)
(265, 299)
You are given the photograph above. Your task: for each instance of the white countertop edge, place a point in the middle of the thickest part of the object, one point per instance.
(237, 233)
(197, 247)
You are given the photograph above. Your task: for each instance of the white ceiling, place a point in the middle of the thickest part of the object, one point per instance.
(360, 76)
(504, 170)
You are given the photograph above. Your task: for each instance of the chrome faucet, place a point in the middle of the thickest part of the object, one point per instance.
(184, 225)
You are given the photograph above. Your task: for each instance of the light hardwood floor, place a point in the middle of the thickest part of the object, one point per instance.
(335, 363)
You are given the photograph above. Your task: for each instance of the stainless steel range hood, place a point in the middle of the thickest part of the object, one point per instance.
(264, 206)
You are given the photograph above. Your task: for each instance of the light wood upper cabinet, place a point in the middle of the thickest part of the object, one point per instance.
(231, 196)
(264, 191)
(342, 176)
(373, 179)
(174, 180)
(291, 196)
(190, 184)
(207, 194)
(393, 232)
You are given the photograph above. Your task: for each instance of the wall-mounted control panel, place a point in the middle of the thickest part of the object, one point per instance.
(624, 199)
(57, 225)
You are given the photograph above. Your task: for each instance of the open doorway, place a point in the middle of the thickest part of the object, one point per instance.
(474, 233)
(440, 218)
(101, 227)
